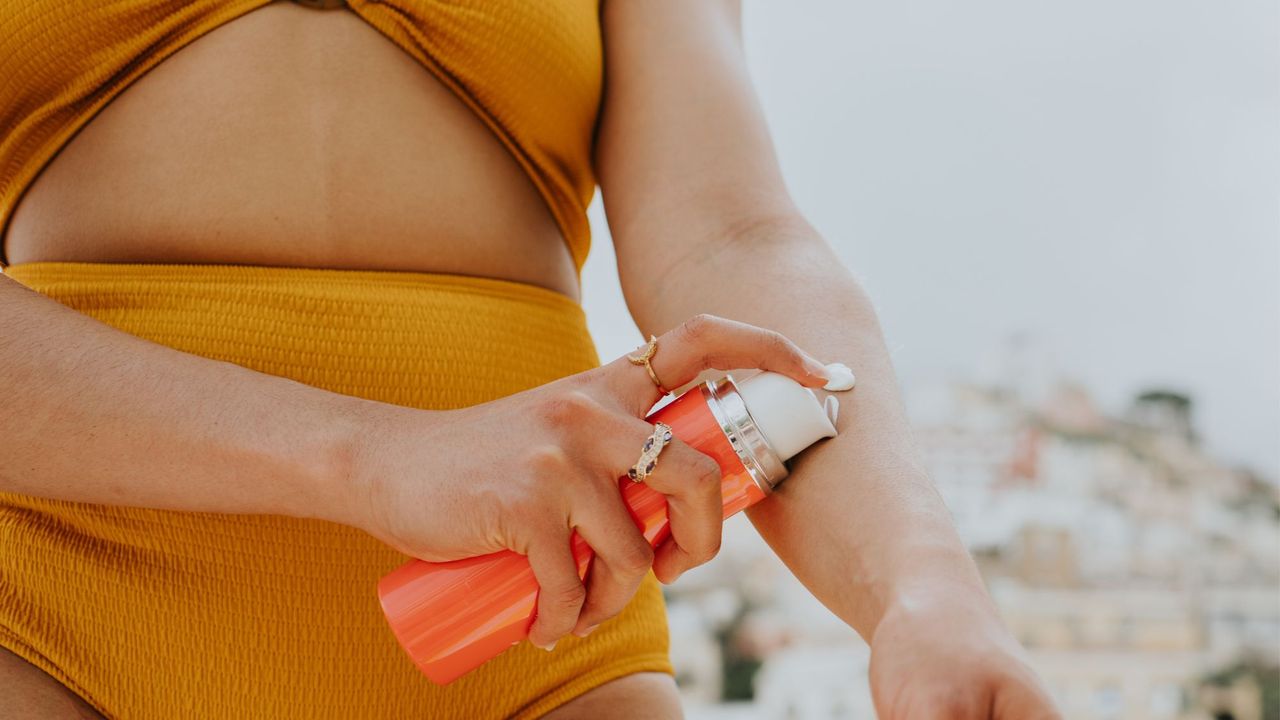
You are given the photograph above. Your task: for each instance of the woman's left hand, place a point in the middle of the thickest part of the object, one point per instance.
(943, 652)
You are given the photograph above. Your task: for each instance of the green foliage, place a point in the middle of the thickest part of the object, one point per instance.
(1265, 674)
(739, 670)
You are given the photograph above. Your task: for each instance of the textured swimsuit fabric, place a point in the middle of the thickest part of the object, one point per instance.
(533, 72)
(164, 614)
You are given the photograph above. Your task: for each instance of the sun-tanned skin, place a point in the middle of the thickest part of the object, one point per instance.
(332, 148)
(336, 149)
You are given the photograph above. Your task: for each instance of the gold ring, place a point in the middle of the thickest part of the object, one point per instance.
(643, 359)
(653, 446)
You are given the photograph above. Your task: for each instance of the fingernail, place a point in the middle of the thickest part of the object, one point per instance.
(588, 630)
(552, 646)
(816, 368)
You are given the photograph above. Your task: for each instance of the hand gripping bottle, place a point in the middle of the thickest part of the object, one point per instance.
(452, 617)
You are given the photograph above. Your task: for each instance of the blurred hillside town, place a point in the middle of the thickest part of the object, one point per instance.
(1142, 576)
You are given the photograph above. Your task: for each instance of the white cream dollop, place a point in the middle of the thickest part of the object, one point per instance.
(839, 377)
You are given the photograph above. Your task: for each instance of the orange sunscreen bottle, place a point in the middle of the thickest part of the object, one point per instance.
(451, 617)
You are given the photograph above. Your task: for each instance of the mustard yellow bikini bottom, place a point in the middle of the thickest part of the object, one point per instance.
(160, 614)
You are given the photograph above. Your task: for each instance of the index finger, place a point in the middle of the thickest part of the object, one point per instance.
(707, 341)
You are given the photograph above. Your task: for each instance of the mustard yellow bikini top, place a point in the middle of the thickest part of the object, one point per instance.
(531, 69)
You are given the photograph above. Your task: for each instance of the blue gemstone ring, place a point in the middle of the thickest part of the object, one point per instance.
(653, 446)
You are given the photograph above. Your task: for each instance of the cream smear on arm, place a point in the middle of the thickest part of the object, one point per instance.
(839, 377)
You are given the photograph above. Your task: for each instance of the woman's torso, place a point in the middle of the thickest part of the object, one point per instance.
(292, 136)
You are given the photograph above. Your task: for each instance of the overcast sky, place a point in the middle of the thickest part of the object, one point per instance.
(1103, 177)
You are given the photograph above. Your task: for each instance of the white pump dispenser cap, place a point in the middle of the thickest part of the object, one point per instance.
(788, 414)
(768, 418)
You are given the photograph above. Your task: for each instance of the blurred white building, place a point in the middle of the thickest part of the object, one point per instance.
(1132, 566)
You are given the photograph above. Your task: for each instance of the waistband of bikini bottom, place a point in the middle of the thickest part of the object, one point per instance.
(374, 287)
(428, 340)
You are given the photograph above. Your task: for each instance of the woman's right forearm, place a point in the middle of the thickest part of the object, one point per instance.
(89, 413)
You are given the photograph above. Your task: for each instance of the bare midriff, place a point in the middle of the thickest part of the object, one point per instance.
(292, 136)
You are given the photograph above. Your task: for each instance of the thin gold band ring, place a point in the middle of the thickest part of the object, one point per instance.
(643, 359)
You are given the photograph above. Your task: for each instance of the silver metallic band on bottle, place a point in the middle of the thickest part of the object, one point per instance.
(730, 412)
